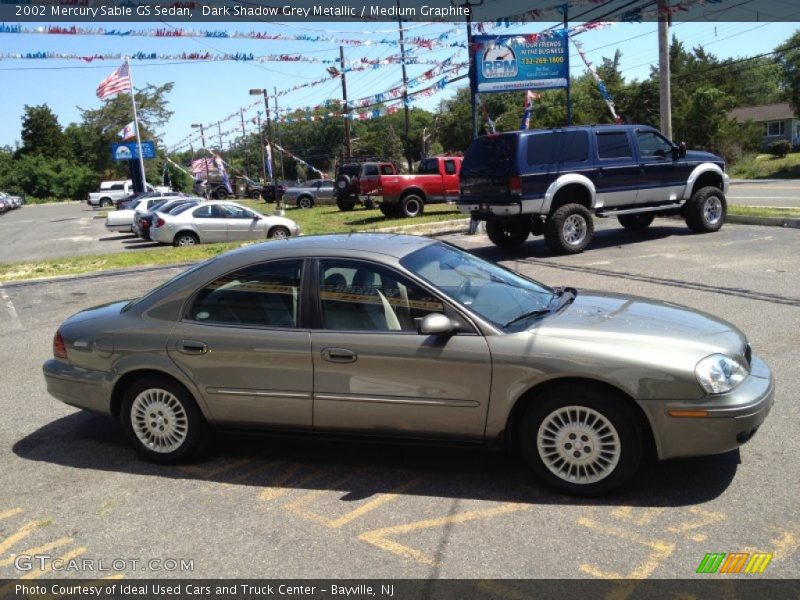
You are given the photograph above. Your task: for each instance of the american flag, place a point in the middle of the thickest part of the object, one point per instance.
(118, 81)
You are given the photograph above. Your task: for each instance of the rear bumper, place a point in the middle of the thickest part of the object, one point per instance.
(76, 386)
(732, 420)
(123, 227)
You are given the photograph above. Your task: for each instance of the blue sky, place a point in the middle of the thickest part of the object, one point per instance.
(208, 92)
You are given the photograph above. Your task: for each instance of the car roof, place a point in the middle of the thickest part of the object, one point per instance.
(388, 244)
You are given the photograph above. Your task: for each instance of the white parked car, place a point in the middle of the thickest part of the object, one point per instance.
(122, 220)
(111, 191)
(220, 222)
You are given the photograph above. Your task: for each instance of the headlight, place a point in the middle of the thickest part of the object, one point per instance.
(719, 373)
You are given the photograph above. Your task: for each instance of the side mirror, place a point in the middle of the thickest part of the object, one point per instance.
(436, 324)
(679, 151)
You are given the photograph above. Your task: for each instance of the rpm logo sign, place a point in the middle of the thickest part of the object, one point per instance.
(499, 61)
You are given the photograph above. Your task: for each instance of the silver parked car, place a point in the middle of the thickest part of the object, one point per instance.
(314, 191)
(219, 222)
(409, 337)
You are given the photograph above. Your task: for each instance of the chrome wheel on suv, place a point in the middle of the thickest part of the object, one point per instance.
(569, 229)
(705, 212)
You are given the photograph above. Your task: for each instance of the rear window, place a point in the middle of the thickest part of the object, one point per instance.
(573, 147)
(493, 155)
(613, 145)
(370, 170)
(541, 148)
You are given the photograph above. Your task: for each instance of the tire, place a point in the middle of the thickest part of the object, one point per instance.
(569, 229)
(105, 202)
(706, 210)
(220, 194)
(559, 445)
(185, 238)
(305, 202)
(635, 222)
(388, 210)
(279, 232)
(506, 233)
(345, 205)
(255, 195)
(411, 205)
(156, 404)
(343, 183)
(369, 203)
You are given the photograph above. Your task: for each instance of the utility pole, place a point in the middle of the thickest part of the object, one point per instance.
(278, 129)
(406, 144)
(263, 158)
(469, 5)
(244, 142)
(664, 74)
(569, 82)
(348, 147)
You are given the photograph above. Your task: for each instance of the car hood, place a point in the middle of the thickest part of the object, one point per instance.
(632, 320)
(701, 156)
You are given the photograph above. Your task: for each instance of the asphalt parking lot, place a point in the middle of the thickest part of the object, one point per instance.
(277, 507)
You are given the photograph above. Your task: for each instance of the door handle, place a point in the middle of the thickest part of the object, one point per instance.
(339, 355)
(192, 347)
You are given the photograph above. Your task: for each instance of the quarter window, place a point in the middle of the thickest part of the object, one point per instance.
(541, 148)
(363, 297)
(265, 295)
(573, 147)
(613, 145)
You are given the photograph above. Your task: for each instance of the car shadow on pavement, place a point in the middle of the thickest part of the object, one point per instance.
(361, 469)
(117, 238)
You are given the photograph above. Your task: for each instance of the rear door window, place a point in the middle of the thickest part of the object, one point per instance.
(429, 166)
(541, 148)
(613, 145)
(450, 167)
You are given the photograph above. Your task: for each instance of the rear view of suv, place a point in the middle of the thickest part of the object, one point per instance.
(553, 182)
(359, 180)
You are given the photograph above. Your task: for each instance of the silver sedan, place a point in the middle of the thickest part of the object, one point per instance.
(408, 337)
(219, 222)
(311, 193)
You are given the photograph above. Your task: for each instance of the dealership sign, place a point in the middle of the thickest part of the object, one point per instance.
(130, 151)
(521, 62)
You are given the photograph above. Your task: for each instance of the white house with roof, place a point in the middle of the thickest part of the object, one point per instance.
(778, 121)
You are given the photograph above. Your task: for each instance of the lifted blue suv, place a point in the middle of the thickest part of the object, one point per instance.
(553, 181)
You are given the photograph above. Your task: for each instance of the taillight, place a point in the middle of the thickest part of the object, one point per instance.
(160, 222)
(515, 185)
(59, 348)
(145, 224)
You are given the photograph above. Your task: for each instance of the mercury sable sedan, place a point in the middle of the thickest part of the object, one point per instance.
(404, 336)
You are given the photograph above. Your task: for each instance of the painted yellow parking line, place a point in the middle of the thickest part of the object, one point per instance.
(660, 550)
(705, 518)
(380, 537)
(10, 513)
(276, 490)
(21, 534)
(38, 550)
(208, 471)
(638, 516)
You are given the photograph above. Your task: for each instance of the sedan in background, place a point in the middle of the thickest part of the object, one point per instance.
(220, 221)
(143, 221)
(122, 220)
(11, 201)
(408, 337)
(315, 191)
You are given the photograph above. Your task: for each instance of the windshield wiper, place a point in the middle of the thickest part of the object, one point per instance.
(565, 296)
(528, 315)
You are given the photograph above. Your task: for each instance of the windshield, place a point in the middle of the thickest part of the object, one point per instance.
(500, 296)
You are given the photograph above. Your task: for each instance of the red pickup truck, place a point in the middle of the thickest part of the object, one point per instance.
(436, 180)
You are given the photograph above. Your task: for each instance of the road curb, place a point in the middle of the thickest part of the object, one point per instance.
(787, 222)
(436, 228)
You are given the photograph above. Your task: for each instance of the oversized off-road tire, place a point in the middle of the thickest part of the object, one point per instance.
(389, 210)
(162, 420)
(569, 229)
(279, 232)
(411, 205)
(638, 222)
(581, 439)
(185, 238)
(305, 202)
(706, 210)
(507, 233)
(345, 205)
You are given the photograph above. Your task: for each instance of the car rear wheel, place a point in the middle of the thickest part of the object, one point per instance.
(220, 194)
(705, 212)
(278, 232)
(185, 239)
(569, 229)
(507, 233)
(581, 439)
(305, 202)
(411, 206)
(162, 421)
(345, 205)
(105, 202)
(636, 222)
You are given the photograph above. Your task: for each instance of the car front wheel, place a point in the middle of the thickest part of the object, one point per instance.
(278, 233)
(581, 440)
(706, 210)
(305, 202)
(162, 421)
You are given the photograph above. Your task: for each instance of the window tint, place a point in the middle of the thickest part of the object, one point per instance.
(613, 145)
(450, 167)
(236, 212)
(208, 211)
(265, 295)
(652, 144)
(369, 170)
(573, 146)
(541, 148)
(386, 170)
(365, 297)
(429, 166)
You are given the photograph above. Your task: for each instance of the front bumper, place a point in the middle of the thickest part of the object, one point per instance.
(733, 418)
(76, 386)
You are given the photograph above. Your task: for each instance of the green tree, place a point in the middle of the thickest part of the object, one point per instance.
(41, 133)
(789, 61)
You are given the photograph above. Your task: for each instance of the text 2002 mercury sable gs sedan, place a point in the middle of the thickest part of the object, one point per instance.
(409, 337)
